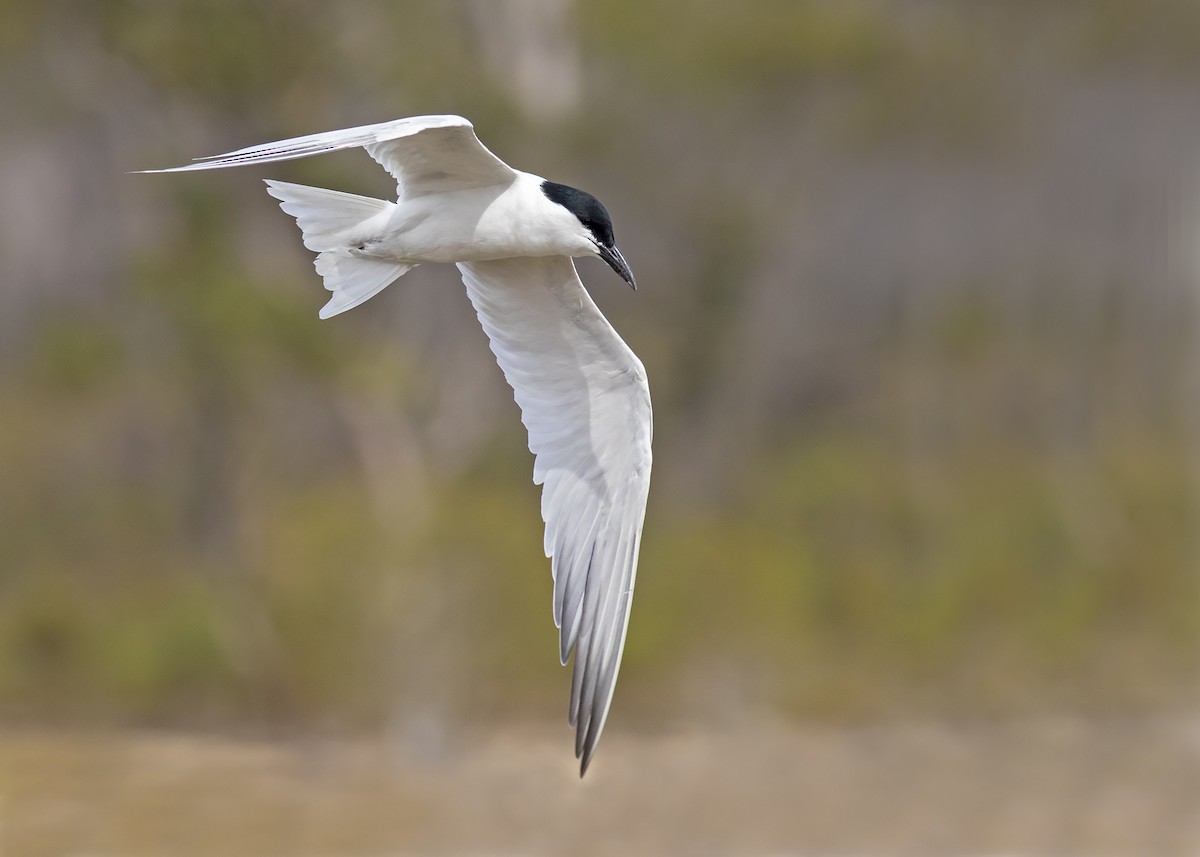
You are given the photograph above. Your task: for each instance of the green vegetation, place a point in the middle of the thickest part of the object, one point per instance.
(854, 578)
(986, 502)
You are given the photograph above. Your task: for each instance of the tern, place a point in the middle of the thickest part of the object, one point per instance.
(582, 392)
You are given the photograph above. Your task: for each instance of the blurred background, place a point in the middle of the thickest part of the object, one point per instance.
(920, 290)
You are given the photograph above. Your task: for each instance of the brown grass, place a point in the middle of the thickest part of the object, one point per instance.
(1048, 787)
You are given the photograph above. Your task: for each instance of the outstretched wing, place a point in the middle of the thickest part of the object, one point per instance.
(425, 154)
(584, 399)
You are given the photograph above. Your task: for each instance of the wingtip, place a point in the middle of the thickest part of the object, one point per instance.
(585, 761)
(186, 167)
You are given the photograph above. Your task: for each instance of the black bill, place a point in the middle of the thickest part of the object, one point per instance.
(617, 262)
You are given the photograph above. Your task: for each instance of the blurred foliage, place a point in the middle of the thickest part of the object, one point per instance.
(854, 582)
(709, 48)
(973, 522)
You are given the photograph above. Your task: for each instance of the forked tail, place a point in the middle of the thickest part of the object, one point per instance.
(327, 221)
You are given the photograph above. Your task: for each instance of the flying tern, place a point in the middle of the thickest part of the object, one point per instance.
(582, 392)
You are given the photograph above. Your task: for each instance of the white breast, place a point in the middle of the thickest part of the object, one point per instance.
(479, 224)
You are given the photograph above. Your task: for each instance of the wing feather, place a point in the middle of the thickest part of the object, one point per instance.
(586, 404)
(425, 154)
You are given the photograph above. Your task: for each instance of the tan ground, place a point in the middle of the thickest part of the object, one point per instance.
(1044, 787)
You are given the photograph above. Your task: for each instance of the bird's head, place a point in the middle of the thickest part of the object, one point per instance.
(595, 223)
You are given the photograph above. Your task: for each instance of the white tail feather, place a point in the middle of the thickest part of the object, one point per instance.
(353, 279)
(327, 219)
(325, 216)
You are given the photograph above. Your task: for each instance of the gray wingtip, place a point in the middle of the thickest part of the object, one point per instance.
(185, 168)
(585, 755)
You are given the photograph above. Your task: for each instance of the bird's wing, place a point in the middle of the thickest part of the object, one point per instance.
(584, 399)
(425, 154)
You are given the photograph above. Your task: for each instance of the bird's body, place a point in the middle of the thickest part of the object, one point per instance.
(470, 225)
(583, 394)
